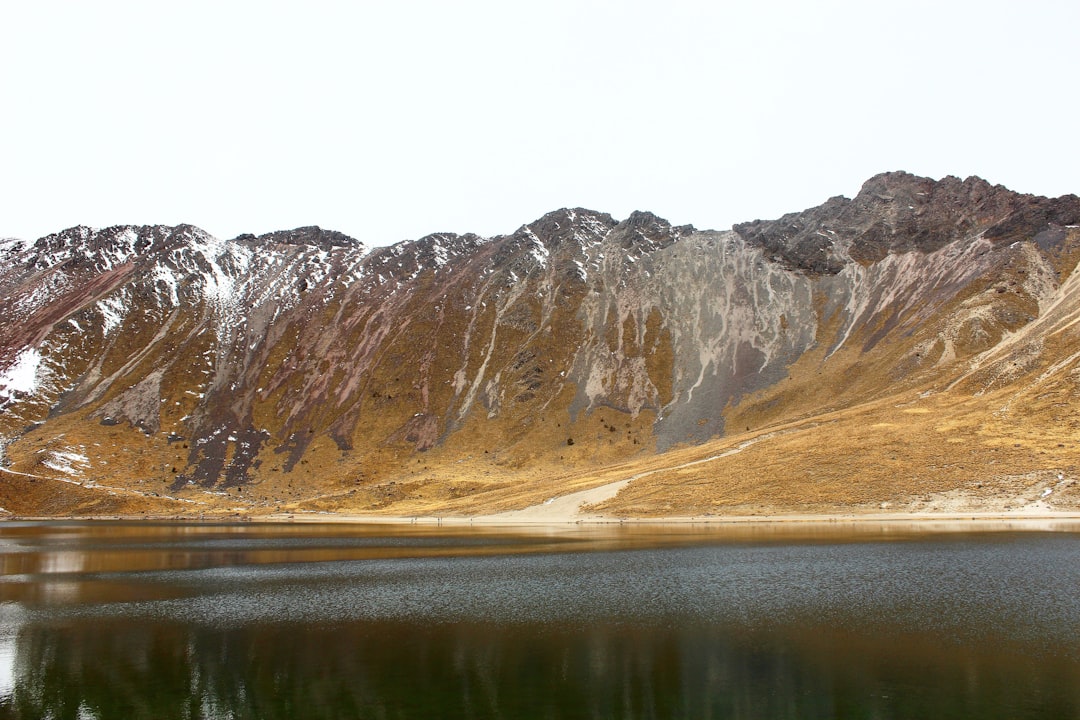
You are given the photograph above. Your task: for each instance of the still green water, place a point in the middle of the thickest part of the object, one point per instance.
(114, 620)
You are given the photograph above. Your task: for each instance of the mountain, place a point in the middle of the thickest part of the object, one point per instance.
(915, 346)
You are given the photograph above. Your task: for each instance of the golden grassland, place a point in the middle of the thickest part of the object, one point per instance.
(915, 452)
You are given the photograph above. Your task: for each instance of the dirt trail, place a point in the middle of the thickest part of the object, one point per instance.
(567, 508)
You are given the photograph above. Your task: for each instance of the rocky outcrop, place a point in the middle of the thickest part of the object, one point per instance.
(896, 213)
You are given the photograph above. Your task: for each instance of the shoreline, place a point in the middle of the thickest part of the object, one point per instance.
(1042, 519)
(776, 520)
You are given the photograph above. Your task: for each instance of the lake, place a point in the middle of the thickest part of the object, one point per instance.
(248, 620)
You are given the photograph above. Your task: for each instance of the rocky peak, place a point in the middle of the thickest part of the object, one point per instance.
(437, 249)
(407, 259)
(899, 212)
(308, 235)
(1032, 216)
(106, 248)
(577, 225)
(648, 231)
(805, 241)
(65, 238)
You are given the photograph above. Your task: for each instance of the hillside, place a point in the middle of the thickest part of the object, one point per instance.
(912, 348)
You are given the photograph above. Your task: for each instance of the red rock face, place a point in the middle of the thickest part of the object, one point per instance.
(303, 355)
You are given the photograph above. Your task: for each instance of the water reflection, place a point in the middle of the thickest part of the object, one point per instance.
(122, 621)
(115, 670)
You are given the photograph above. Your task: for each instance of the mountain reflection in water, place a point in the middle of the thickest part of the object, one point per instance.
(490, 624)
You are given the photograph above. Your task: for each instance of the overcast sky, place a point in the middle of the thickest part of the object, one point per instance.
(391, 120)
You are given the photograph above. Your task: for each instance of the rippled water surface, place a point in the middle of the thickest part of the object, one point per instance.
(115, 620)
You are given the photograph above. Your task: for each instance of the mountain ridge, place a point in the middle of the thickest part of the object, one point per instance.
(282, 369)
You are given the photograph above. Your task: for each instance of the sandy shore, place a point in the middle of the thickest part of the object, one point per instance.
(567, 510)
(1017, 520)
(787, 525)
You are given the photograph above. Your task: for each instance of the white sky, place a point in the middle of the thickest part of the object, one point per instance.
(391, 120)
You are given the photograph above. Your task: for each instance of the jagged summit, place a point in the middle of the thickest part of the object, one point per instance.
(308, 235)
(302, 369)
(896, 212)
(111, 246)
(567, 226)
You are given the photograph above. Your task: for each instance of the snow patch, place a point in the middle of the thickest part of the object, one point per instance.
(22, 376)
(69, 463)
(166, 277)
(112, 312)
(441, 254)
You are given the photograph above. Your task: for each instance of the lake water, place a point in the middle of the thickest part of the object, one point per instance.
(123, 620)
